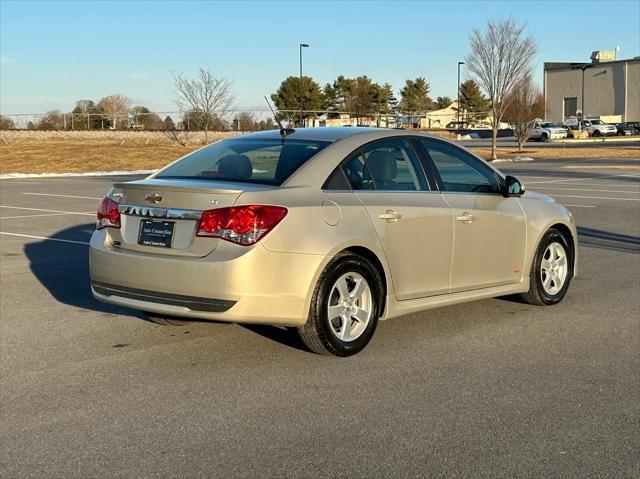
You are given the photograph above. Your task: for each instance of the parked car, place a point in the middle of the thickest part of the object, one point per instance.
(328, 230)
(594, 126)
(544, 130)
(635, 125)
(625, 129)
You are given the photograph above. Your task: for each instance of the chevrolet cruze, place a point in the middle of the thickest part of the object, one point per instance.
(328, 230)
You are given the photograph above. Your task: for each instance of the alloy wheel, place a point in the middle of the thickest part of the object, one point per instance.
(554, 268)
(350, 306)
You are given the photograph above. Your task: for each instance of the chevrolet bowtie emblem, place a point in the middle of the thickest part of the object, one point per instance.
(153, 198)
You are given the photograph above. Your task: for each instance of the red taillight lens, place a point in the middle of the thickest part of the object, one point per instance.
(108, 214)
(244, 225)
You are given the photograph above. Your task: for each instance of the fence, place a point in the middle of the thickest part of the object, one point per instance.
(230, 120)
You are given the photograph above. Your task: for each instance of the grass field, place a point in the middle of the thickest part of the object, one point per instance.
(82, 155)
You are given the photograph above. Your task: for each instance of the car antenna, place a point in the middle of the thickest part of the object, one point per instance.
(284, 132)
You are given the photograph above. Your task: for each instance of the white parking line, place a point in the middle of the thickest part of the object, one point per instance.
(587, 189)
(597, 198)
(64, 196)
(43, 238)
(49, 211)
(32, 216)
(565, 180)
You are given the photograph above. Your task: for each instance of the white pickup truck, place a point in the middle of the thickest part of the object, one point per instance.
(544, 130)
(594, 127)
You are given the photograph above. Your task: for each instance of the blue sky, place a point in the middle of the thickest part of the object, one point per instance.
(54, 53)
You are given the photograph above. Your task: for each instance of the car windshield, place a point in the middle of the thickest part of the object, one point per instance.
(265, 161)
(596, 122)
(551, 125)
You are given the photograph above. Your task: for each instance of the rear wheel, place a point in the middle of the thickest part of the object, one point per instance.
(345, 307)
(596, 133)
(551, 270)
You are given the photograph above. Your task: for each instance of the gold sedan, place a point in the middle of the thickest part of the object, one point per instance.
(328, 230)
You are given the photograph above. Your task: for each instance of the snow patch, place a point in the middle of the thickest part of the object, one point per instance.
(512, 160)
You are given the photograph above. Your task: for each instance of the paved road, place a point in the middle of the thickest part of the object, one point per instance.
(487, 389)
(510, 142)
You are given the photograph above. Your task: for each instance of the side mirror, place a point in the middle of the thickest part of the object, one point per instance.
(512, 187)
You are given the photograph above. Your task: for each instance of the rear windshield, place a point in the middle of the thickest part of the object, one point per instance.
(246, 160)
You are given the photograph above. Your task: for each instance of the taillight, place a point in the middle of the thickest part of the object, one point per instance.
(108, 214)
(244, 225)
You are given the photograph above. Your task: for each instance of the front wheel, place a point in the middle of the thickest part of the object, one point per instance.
(345, 307)
(551, 270)
(596, 134)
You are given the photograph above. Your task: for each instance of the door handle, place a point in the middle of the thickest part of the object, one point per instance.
(390, 215)
(466, 218)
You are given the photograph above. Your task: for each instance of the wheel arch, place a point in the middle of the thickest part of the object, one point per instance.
(375, 261)
(571, 239)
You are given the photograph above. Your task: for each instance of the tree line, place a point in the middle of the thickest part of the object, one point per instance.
(362, 97)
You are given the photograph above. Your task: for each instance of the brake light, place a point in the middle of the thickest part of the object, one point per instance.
(108, 214)
(244, 225)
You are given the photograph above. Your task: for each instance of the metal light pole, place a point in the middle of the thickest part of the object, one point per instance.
(459, 63)
(302, 45)
(583, 67)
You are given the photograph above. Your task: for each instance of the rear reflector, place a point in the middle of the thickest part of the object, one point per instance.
(244, 225)
(108, 214)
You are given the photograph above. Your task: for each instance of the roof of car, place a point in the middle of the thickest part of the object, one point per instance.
(320, 134)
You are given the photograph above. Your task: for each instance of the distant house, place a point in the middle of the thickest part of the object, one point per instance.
(440, 118)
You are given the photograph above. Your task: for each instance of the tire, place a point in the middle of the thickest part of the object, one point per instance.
(322, 334)
(596, 133)
(548, 286)
(544, 137)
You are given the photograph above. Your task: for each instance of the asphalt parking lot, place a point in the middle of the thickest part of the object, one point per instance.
(488, 389)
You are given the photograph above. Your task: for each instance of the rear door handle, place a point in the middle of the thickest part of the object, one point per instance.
(390, 215)
(466, 218)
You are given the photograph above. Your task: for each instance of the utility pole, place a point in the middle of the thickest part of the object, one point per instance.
(582, 67)
(302, 45)
(459, 63)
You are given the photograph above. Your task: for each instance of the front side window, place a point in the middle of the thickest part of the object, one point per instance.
(387, 165)
(267, 161)
(460, 172)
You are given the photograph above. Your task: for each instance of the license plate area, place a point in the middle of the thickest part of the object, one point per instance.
(156, 233)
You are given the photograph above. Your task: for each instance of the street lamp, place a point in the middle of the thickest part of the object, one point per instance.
(582, 67)
(459, 63)
(302, 45)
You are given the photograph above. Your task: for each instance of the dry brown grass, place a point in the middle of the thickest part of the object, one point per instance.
(121, 136)
(81, 156)
(551, 153)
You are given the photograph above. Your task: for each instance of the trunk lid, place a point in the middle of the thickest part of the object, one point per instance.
(152, 205)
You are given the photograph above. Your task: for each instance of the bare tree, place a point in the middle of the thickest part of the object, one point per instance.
(181, 137)
(525, 104)
(114, 107)
(206, 95)
(500, 58)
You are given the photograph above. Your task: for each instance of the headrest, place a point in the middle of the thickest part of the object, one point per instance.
(382, 165)
(235, 166)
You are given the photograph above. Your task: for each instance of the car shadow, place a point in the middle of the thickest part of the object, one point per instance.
(282, 335)
(62, 267)
(594, 238)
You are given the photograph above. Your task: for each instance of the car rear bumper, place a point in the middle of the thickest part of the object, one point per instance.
(233, 284)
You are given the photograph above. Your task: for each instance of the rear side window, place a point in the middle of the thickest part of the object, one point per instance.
(267, 161)
(387, 165)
